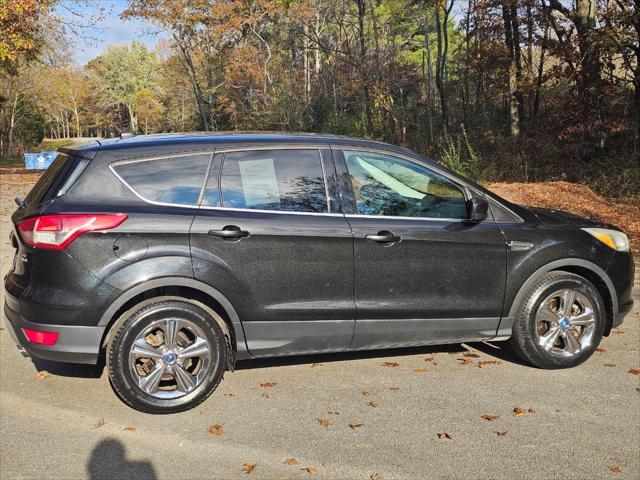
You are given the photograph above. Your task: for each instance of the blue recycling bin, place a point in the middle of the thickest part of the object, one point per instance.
(39, 161)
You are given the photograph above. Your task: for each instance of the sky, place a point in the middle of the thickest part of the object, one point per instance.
(110, 30)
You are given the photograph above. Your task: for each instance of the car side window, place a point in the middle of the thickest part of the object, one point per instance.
(390, 186)
(283, 180)
(177, 180)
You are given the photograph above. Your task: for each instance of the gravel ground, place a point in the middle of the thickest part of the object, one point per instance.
(582, 423)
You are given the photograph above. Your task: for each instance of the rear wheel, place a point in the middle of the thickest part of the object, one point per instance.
(167, 355)
(560, 321)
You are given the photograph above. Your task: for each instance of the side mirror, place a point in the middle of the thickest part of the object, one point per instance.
(479, 208)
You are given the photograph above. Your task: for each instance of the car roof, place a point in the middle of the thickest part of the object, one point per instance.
(213, 139)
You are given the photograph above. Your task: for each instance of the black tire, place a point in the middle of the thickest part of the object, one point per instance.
(133, 323)
(524, 336)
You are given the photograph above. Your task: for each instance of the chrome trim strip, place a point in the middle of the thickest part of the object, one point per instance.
(390, 217)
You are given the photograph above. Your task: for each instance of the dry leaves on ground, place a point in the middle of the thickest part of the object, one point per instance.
(501, 434)
(314, 365)
(310, 470)
(465, 361)
(490, 418)
(376, 476)
(42, 375)
(129, 429)
(471, 355)
(372, 404)
(269, 384)
(614, 469)
(290, 461)
(216, 429)
(100, 423)
(609, 365)
(444, 436)
(391, 364)
(365, 393)
(421, 370)
(324, 422)
(633, 371)
(518, 412)
(394, 389)
(600, 350)
(229, 394)
(248, 468)
(353, 426)
(333, 412)
(484, 363)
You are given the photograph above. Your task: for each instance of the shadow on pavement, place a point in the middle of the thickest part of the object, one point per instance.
(347, 356)
(108, 460)
(69, 369)
(499, 350)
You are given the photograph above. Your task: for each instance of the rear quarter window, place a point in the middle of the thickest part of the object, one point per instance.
(44, 187)
(176, 180)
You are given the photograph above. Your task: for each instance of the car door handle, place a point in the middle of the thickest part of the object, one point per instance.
(230, 232)
(383, 237)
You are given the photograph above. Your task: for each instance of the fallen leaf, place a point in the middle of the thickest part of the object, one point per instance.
(614, 469)
(376, 476)
(268, 385)
(484, 363)
(490, 418)
(391, 364)
(600, 350)
(229, 394)
(532, 410)
(333, 412)
(314, 365)
(42, 375)
(365, 393)
(264, 395)
(444, 436)
(421, 370)
(129, 429)
(372, 404)
(353, 426)
(471, 355)
(633, 371)
(465, 361)
(324, 422)
(394, 389)
(311, 470)
(617, 331)
(248, 468)
(100, 423)
(501, 434)
(609, 364)
(216, 429)
(518, 412)
(429, 359)
(290, 461)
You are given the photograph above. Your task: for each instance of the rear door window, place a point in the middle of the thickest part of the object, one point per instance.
(176, 180)
(282, 180)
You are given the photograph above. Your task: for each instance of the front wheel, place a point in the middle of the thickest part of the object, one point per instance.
(560, 321)
(167, 355)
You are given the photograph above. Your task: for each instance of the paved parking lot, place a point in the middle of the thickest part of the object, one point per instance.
(350, 416)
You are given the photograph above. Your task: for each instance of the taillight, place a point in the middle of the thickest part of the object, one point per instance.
(58, 231)
(39, 336)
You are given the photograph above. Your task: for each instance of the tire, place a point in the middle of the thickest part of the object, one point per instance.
(162, 328)
(533, 336)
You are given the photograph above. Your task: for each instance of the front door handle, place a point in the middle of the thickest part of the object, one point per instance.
(383, 237)
(231, 232)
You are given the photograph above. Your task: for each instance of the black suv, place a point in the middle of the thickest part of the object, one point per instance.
(176, 255)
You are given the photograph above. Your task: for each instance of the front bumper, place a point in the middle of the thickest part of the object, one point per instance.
(76, 344)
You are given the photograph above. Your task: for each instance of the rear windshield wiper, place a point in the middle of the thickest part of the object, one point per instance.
(20, 202)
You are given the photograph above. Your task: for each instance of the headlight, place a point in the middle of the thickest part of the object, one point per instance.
(611, 238)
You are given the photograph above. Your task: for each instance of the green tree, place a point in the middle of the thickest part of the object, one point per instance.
(124, 72)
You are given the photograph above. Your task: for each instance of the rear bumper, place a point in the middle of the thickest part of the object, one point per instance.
(76, 344)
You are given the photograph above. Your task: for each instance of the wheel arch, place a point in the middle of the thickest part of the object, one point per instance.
(584, 268)
(186, 288)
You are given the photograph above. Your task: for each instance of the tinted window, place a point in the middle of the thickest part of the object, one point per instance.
(385, 185)
(38, 193)
(289, 180)
(177, 180)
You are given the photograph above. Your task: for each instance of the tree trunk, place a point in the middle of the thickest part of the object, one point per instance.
(429, 79)
(133, 121)
(364, 72)
(441, 59)
(515, 96)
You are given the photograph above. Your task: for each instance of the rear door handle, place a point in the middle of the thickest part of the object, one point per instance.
(230, 232)
(383, 237)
